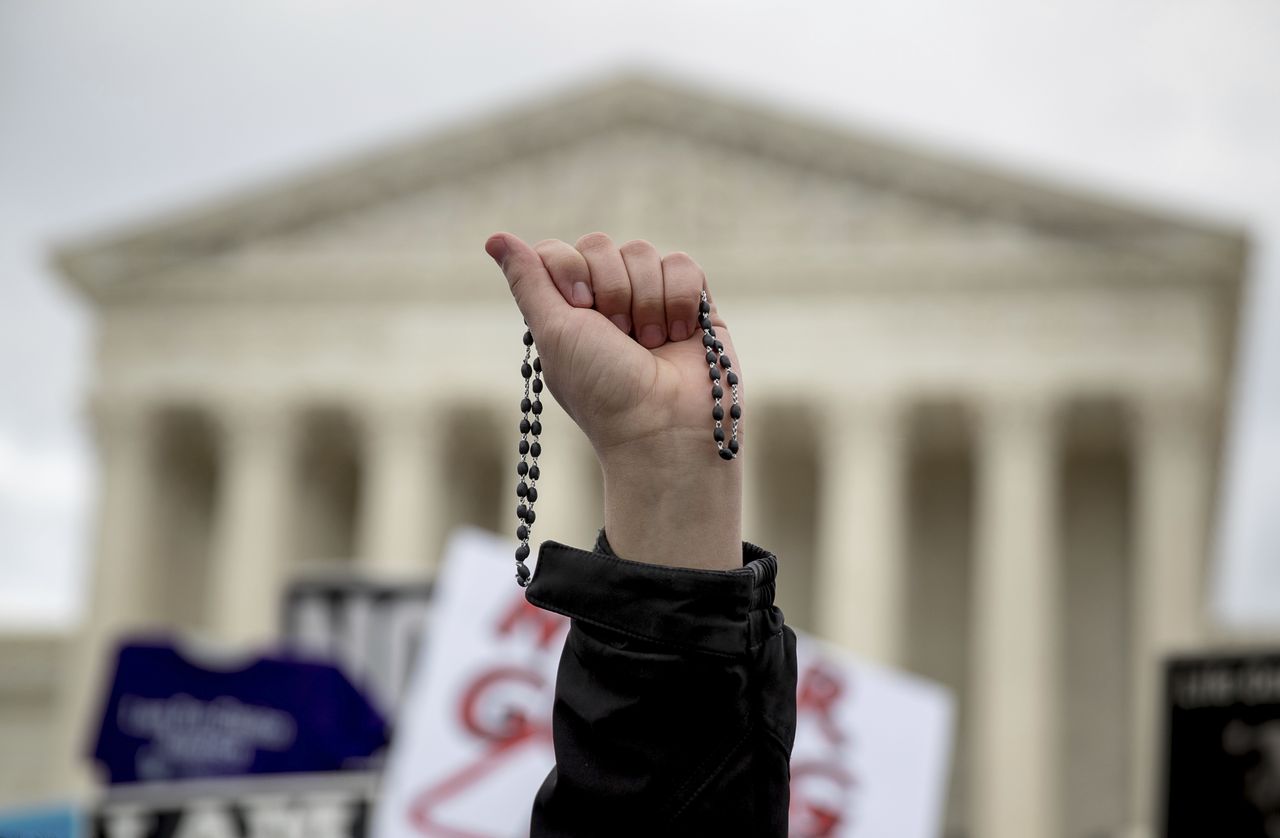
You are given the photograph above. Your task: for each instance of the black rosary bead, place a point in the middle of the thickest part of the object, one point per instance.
(534, 472)
(531, 368)
(717, 360)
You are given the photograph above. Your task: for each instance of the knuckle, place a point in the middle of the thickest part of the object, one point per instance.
(647, 300)
(594, 241)
(637, 247)
(547, 246)
(682, 260)
(613, 297)
(561, 259)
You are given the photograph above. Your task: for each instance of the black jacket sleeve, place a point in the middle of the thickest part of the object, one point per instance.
(675, 699)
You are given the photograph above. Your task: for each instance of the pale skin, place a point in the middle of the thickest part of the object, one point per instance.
(617, 330)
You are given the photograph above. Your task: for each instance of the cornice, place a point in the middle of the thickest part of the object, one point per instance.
(186, 239)
(461, 278)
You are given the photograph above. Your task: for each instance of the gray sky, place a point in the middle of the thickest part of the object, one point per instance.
(115, 111)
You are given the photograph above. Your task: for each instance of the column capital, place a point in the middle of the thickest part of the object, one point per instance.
(1170, 410)
(253, 421)
(117, 414)
(887, 412)
(1022, 407)
(394, 414)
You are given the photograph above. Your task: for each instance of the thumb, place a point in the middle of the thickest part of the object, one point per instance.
(536, 295)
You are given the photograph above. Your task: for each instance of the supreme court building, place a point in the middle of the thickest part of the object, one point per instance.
(984, 413)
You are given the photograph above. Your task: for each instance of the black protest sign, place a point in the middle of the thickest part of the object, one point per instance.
(1223, 747)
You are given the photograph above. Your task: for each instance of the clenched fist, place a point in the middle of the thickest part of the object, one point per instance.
(617, 331)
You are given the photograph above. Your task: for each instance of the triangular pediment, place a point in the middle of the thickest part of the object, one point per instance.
(635, 157)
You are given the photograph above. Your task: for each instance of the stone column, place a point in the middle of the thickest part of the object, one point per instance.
(253, 517)
(1014, 703)
(118, 594)
(859, 594)
(401, 530)
(1173, 469)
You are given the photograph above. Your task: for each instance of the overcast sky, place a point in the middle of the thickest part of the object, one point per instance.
(111, 112)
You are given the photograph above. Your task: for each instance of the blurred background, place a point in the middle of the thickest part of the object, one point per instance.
(250, 339)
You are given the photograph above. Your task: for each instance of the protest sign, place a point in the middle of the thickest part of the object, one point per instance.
(330, 805)
(1223, 746)
(473, 741)
(40, 822)
(369, 627)
(872, 748)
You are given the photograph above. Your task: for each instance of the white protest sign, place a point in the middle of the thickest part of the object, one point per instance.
(473, 741)
(872, 748)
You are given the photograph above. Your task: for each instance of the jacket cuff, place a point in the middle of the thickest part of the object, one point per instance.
(718, 612)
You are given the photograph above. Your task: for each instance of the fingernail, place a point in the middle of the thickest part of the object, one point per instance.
(496, 247)
(581, 294)
(623, 322)
(679, 330)
(651, 335)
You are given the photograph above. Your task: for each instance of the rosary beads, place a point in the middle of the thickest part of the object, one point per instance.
(716, 359)
(527, 488)
(531, 426)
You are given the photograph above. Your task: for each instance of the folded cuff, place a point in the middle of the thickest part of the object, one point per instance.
(719, 612)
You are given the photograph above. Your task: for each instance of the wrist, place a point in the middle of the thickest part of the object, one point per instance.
(682, 509)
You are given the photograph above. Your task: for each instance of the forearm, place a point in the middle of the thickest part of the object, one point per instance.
(682, 509)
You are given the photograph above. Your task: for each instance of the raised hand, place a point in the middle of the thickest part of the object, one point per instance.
(617, 331)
